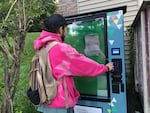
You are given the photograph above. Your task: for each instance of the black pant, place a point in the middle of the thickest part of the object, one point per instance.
(70, 110)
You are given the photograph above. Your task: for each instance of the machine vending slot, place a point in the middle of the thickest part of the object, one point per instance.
(115, 88)
(116, 78)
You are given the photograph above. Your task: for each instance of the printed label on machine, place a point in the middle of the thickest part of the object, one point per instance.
(86, 109)
(92, 45)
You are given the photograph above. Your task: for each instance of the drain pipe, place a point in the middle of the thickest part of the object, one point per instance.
(143, 36)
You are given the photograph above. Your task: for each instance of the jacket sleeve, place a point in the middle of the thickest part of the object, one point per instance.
(81, 65)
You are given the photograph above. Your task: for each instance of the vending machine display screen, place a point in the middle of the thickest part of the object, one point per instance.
(115, 51)
(88, 38)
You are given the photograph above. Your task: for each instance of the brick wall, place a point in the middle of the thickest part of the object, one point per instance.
(68, 7)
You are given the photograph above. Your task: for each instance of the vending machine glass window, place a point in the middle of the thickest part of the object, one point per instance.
(89, 38)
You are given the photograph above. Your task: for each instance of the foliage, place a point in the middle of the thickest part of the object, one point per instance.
(45, 8)
(16, 18)
(1, 78)
(21, 102)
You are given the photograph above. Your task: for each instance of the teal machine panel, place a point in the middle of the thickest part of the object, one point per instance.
(100, 36)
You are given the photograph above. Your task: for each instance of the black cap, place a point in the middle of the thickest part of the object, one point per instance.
(53, 22)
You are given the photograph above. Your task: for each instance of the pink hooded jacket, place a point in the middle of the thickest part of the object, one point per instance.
(66, 61)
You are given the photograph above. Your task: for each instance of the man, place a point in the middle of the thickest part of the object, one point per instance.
(66, 63)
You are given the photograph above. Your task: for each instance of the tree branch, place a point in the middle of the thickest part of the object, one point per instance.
(5, 50)
(12, 73)
(10, 10)
(24, 15)
(16, 82)
(29, 24)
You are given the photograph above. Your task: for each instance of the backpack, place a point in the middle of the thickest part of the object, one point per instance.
(43, 86)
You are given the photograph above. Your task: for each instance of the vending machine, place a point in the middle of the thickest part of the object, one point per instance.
(100, 36)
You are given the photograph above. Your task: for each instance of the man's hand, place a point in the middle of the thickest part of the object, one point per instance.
(110, 66)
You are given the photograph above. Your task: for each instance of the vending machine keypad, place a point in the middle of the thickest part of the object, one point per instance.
(117, 84)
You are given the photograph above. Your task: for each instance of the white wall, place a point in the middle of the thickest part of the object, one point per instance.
(140, 3)
(94, 5)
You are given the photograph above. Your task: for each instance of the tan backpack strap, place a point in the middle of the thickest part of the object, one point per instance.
(49, 46)
(65, 84)
(66, 92)
(46, 66)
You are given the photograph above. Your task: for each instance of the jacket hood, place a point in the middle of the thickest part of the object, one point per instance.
(44, 38)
